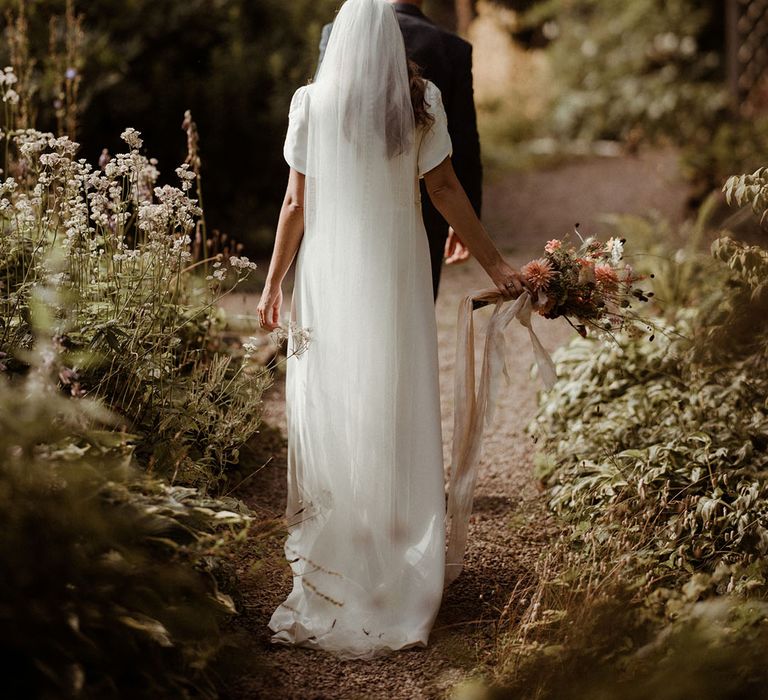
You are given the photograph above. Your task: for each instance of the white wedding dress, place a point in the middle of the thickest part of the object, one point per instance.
(366, 502)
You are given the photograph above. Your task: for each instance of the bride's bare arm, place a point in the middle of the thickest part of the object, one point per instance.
(290, 231)
(451, 201)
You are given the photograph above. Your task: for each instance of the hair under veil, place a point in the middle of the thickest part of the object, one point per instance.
(364, 77)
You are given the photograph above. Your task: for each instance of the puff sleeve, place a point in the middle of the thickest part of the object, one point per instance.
(295, 148)
(436, 143)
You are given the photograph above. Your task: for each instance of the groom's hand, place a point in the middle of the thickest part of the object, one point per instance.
(455, 250)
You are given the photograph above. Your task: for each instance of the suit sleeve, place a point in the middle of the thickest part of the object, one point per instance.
(462, 118)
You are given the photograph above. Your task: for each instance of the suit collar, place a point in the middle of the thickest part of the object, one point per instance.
(407, 9)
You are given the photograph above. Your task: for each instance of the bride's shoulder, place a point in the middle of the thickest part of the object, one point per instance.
(300, 97)
(434, 98)
(432, 94)
(431, 89)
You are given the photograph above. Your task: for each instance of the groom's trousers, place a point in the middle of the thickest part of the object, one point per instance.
(437, 235)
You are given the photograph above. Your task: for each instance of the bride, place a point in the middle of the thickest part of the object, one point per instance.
(366, 503)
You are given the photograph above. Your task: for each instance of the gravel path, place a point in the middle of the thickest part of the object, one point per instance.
(510, 523)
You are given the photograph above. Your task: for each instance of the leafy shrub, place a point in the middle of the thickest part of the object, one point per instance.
(135, 324)
(660, 452)
(630, 70)
(716, 652)
(108, 587)
(654, 455)
(749, 190)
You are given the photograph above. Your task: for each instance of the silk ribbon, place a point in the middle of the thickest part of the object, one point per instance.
(474, 407)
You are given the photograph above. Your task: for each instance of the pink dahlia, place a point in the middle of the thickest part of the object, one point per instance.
(538, 274)
(552, 246)
(606, 277)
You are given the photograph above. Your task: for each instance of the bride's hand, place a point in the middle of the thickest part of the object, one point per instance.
(507, 280)
(269, 307)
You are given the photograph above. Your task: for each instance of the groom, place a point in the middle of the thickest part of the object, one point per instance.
(446, 60)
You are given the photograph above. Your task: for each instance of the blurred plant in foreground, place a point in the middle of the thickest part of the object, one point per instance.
(108, 576)
(715, 652)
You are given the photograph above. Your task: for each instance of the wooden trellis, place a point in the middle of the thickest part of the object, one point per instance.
(747, 24)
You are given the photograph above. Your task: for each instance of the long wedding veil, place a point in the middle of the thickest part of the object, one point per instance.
(365, 288)
(361, 124)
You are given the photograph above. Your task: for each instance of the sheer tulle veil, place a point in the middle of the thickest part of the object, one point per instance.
(366, 504)
(360, 218)
(361, 125)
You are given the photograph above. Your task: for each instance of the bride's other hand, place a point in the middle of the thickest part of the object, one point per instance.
(269, 308)
(455, 250)
(507, 280)
(290, 232)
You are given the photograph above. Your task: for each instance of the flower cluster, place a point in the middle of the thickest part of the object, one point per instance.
(589, 283)
(119, 250)
(297, 337)
(7, 81)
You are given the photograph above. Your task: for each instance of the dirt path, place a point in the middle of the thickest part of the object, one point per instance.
(510, 523)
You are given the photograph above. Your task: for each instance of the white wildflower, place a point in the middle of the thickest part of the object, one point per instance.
(186, 176)
(242, 263)
(132, 138)
(11, 96)
(8, 76)
(615, 247)
(298, 338)
(250, 347)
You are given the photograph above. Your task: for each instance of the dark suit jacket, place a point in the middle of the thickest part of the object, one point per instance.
(446, 60)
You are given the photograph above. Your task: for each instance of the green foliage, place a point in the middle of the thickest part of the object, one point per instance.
(655, 457)
(632, 70)
(660, 452)
(749, 190)
(134, 323)
(108, 586)
(748, 264)
(212, 414)
(715, 652)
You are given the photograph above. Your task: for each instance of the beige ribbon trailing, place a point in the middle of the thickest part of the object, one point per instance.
(474, 409)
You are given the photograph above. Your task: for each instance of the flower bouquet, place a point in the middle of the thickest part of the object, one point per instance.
(590, 284)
